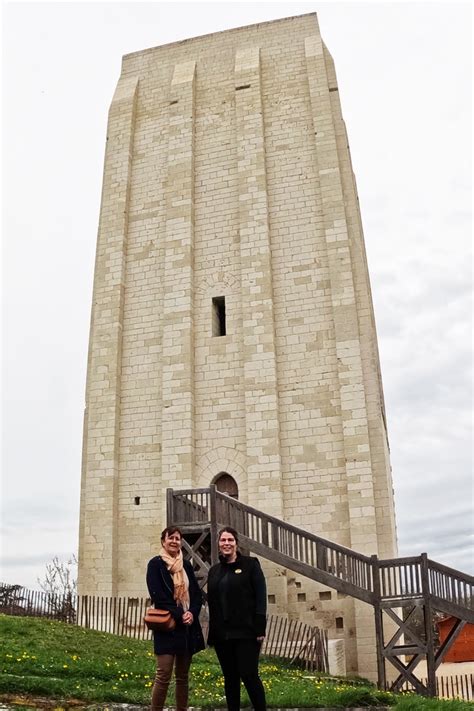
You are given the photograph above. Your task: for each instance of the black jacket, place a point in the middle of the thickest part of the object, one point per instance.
(237, 597)
(184, 638)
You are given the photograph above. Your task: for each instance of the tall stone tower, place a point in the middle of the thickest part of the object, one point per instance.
(232, 335)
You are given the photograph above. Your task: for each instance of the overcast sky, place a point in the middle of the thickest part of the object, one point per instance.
(404, 72)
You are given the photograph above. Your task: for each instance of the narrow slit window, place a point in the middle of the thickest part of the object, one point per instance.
(218, 316)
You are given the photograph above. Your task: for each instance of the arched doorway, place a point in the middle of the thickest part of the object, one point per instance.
(226, 484)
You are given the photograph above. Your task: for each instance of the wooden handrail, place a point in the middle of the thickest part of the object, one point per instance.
(325, 561)
(289, 527)
(434, 565)
(408, 560)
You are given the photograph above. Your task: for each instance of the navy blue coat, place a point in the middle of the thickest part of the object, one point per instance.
(184, 638)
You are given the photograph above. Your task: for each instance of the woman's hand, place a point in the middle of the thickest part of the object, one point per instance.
(188, 618)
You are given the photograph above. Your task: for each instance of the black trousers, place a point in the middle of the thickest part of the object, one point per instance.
(239, 661)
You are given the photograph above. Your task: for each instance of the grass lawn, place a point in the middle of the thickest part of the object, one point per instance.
(41, 658)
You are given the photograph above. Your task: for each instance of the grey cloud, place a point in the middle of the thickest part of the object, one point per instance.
(24, 514)
(419, 528)
(33, 560)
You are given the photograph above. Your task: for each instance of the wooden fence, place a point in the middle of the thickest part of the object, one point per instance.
(15, 600)
(299, 643)
(457, 686)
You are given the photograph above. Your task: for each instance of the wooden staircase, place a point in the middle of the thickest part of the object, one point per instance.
(388, 585)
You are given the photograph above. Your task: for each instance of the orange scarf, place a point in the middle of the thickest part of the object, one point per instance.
(180, 579)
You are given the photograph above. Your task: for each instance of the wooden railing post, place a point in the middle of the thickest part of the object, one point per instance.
(86, 606)
(428, 615)
(213, 524)
(321, 556)
(379, 637)
(275, 542)
(265, 531)
(169, 507)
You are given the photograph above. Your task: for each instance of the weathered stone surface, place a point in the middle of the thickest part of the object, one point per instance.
(228, 174)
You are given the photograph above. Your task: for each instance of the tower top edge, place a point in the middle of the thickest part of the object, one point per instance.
(219, 33)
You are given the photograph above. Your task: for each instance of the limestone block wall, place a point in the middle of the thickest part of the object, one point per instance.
(232, 325)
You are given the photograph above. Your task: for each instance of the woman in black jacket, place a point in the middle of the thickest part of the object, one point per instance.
(237, 598)
(172, 586)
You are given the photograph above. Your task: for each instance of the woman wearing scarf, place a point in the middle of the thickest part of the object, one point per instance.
(172, 586)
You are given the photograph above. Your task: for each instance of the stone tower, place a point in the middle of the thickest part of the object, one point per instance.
(232, 335)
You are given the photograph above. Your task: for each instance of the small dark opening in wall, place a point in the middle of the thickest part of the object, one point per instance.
(175, 101)
(218, 316)
(339, 623)
(301, 597)
(325, 595)
(271, 599)
(137, 501)
(243, 86)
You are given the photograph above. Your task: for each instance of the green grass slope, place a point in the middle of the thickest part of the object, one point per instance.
(41, 658)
